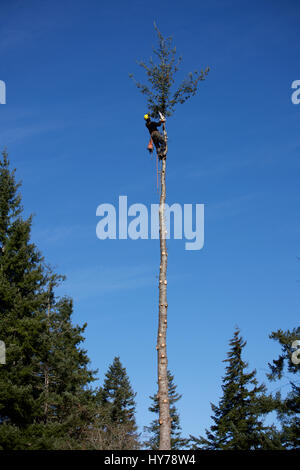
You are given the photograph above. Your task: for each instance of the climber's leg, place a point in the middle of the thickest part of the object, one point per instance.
(159, 143)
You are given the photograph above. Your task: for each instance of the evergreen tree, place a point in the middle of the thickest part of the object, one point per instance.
(117, 412)
(162, 98)
(43, 385)
(22, 299)
(288, 408)
(237, 418)
(67, 401)
(177, 442)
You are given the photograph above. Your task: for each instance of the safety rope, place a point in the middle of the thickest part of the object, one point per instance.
(157, 172)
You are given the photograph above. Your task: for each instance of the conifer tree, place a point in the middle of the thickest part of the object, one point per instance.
(238, 423)
(66, 398)
(177, 442)
(163, 98)
(117, 400)
(22, 299)
(43, 385)
(288, 407)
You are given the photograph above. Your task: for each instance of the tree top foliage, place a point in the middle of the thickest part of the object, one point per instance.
(161, 73)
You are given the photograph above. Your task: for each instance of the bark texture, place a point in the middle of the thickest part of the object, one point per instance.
(162, 369)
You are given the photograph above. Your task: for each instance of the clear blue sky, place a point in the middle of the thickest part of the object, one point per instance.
(73, 126)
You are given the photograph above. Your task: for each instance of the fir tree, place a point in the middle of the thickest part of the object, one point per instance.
(43, 385)
(237, 418)
(177, 442)
(22, 299)
(117, 400)
(67, 401)
(288, 407)
(162, 98)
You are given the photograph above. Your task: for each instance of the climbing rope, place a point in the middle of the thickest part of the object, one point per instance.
(157, 173)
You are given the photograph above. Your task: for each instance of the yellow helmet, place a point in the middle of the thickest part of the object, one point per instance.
(146, 116)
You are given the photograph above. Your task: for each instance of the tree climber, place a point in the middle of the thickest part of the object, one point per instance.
(156, 136)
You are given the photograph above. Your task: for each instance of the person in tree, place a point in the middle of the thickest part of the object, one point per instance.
(156, 136)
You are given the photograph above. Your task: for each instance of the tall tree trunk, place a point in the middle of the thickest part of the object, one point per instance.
(46, 367)
(162, 362)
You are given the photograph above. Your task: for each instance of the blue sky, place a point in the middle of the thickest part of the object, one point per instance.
(73, 127)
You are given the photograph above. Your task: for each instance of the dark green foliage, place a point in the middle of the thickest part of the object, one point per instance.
(117, 394)
(237, 418)
(22, 300)
(118, 406)
(177, 442)
(161, 79)
(45, 397)
(44, 400)
(288, 408)
(65, 397)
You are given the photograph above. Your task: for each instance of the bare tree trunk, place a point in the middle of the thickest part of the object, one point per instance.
(162, 362)
(46, 368)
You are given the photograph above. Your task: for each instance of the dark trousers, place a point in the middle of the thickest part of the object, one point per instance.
(159, 142)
